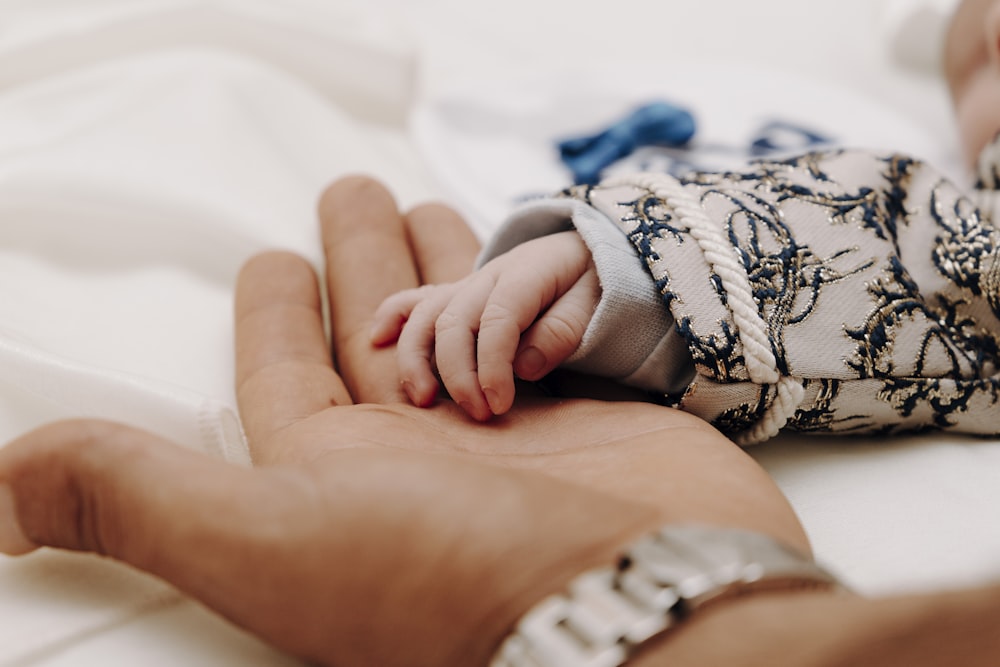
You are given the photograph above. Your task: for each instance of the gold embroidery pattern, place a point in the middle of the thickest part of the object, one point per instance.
(878, 281)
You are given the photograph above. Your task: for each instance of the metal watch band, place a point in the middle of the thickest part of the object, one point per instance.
(607, 613)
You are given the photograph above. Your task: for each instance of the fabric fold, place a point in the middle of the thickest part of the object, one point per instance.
(75, 389)
(360, 63)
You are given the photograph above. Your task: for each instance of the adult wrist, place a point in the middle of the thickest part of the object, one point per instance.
(610, 613)
(533, 559)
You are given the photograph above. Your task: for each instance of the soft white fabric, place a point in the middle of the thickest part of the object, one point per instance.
(147, 150)
(148, 147)
(491, 142)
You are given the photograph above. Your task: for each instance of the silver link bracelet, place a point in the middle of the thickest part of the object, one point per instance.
(607, 613)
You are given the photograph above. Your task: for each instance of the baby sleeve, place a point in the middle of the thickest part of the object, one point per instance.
(838, 292)
(630, 337)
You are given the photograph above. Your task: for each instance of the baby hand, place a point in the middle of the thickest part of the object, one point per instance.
(522, 314)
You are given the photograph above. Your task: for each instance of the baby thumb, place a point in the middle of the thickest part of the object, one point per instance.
(557, 333)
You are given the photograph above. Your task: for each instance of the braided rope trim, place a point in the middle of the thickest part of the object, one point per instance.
(752, 330)
(787, 400)
(760, 362)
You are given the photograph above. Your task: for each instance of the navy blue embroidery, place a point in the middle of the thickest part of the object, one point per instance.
(929, 353)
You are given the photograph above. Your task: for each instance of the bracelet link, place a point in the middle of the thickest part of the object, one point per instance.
(608, 614)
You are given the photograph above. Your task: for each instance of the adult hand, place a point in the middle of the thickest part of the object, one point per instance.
(371, 531)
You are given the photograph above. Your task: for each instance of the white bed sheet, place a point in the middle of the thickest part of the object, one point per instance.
(147, 148)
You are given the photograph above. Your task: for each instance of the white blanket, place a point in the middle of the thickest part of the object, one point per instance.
(148, 148)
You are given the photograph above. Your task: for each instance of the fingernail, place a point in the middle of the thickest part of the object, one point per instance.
(530, 364)
(471, 409)
(12, 539)
(381, 334)
(493, 399)
(420, 398)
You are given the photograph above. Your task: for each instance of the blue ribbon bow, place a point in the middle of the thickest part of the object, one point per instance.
(653, 124)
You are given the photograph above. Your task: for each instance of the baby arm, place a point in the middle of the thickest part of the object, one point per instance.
(523, 313)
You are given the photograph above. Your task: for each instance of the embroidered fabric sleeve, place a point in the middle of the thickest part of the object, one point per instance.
(631, 337)
(836, 292)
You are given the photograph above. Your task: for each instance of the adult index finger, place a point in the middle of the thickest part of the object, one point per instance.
(368, 258)
(283, 368)
(444, 248)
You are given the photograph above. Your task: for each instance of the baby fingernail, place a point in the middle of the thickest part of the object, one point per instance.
(421, 400)
(12, 539)
(493, 399)
(473, 411)
(530, 363)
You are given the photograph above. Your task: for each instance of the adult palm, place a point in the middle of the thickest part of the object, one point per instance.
(371, 531)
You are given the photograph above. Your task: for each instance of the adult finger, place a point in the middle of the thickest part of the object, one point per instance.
(283, 368)
(124, 493)
(58, 481)
(368, 258)
(243, 541)
(444, 247)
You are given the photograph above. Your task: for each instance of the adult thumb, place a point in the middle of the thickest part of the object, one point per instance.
(120, 492)
(235, 538)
